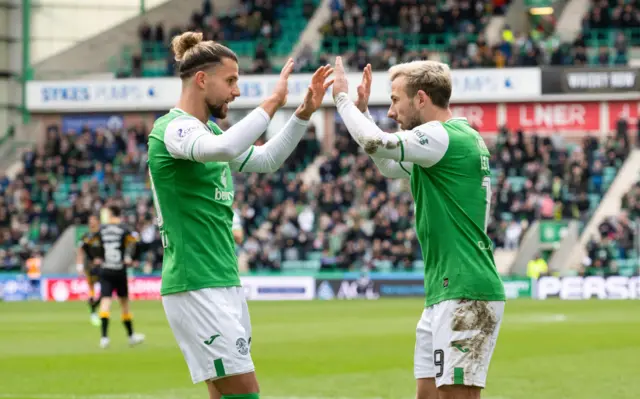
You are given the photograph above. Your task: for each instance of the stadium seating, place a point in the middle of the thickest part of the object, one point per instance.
(349, 217)
(615, 250)
(335, 210)
(71, 176)
(75, 174)
(609, 29)
(538, 178)
(260, 30)
(384, 33)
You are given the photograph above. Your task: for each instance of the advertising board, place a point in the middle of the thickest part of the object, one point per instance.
(148, 288)
(577, 287)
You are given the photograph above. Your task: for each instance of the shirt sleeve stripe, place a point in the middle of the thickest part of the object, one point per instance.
(401, 149)
(246, 159)
(193, 144)
(403, 168)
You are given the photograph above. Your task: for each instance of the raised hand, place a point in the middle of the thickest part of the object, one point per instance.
(281, 89)
(364, 89)
(315, 92)
(341, 84)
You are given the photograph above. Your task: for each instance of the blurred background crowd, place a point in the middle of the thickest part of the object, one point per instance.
(387, 32)
(332, 209)
(338, 211)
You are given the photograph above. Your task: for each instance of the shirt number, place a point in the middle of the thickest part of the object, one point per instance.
(486, 184)
(484, 163)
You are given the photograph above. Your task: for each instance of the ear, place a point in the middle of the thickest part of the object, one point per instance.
(422, 99)
(200, 79)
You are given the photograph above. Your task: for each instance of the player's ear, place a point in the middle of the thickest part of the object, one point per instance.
(200, 79)
(422, 99)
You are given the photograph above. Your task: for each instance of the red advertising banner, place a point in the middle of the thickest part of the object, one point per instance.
(552, 117)
(623, 110)
(77, 289)
(484, 117)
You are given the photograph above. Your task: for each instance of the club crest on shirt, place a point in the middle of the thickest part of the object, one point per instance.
(182, 133)
(242, 346)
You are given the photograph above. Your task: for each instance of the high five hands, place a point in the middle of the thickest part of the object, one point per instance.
(341, 84)
(315, 92)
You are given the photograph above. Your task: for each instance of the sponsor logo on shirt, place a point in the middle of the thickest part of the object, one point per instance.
(223, 195)
(422, 137)
(182, 133)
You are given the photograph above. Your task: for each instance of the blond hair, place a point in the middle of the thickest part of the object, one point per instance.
(193, 54)
(432, 77)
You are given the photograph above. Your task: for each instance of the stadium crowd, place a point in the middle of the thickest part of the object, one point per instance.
(254, 21)
(617, 238)
(72, 175)
(352, 216)
(386, 32)
(349, 217)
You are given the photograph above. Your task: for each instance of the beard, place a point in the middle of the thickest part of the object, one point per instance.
(412, 120)
(217, 111)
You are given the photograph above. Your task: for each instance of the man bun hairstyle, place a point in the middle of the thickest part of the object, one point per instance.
(193, 54)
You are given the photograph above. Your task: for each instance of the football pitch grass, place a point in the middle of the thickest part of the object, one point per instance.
(321, 350)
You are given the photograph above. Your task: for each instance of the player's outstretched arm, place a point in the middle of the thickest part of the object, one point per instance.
(393, 169)
(269, 157)
(388, 167)
(424, 145)
(188, 138)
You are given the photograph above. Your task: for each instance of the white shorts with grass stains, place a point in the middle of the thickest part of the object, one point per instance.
(455, 340)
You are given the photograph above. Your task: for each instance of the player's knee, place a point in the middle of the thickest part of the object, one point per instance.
(240, 384)
(213, 392)
(124, 305)
(458, 392)
(426, 388)
(105, 304)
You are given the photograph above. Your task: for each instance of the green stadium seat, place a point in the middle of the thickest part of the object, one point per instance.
(506, 216)
(594, 200)
(517, 182)
(301, 265)
(383, 265)
(627, 267)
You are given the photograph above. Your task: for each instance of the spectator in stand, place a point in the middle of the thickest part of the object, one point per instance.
(69, 177)
(343, 212)
(384, 33)
(256, 21)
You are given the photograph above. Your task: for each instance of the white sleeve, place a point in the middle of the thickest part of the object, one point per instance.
(237, 223)
(269, 157)
(424, 145)
(393, 169)
(188, 138)
(388, 167)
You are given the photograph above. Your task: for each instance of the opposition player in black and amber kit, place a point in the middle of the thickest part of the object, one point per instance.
(117, 245)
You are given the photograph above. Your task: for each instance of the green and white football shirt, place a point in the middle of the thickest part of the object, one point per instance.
(452, 193)
(448, 164)
(193, 203)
